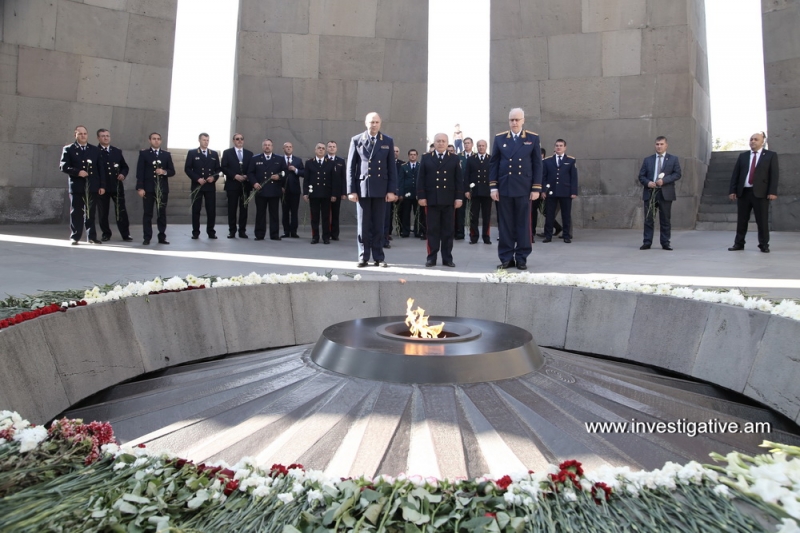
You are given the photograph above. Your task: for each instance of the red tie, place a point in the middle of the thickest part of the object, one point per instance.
(752, 169)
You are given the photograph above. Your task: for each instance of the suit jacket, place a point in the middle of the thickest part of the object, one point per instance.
(765, 178)
(339, 174)
(146, 170)
(230, 166)
(74, 159)
(560, 181)
(373, 173)
(478, 173)
(672, 173)
(407, 181)
(114, 165)
(202, 166)
(515, 168)
(259, 171)
(293, 178)
(319, 181)
(440, 182)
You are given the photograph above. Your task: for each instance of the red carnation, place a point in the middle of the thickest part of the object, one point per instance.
(606, 492)
(277, 470)
(230, 486)
(504, 482)
(490, 515)
(572, 463)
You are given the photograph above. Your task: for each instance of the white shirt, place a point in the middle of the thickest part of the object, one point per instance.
(657, 170)
(757, 155)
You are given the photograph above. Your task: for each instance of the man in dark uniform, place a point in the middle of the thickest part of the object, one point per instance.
(392, 209)
(292, 192)
(479, 194)
(320, 190)
(560, 186)
(461, 212)
(515, 178)
(152, 170)
(116, 170)
(754, 184)
(535, 205)
(407, 187)
(340, 176)
(267, 175)
(440, 190)
(234, 165)
(87, 183)
(373, 182)
(202, 166)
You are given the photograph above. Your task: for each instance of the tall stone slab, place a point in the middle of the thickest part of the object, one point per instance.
(608, 76)
(103, 64)
(780, 22)
(309, 71)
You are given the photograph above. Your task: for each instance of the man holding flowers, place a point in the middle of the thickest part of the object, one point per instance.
(658, 175)
(152, 170)
(87, 182)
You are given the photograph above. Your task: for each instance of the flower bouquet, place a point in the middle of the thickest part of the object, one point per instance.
(652, 205)
(158, 191)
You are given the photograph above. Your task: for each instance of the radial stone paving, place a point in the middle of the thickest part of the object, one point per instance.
(280, 407)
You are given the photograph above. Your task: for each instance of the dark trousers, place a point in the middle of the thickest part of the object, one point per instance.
(514, 221)
(236, 200)
(405, 207)
(336, 208)
(664, 213)
(535, 205)
(371, 214)
(460, 221)
(441, 229)
(290, 209)
(80, 215)
(480, 206)
(320, 211)
(388, 221)
(209, 198)
(420, 221)
(262, 204)
(115, 192)
(551, 206)
(760, 207)
(149, 203)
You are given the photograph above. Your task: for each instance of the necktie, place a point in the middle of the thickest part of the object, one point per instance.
(658, 166)
(752, 169)
(83, 148)
(288, 161)
(441, 157)
(239, 154)
(205, 154)
(558, 163)
(156, 152)
(319, 162)
(413, 165)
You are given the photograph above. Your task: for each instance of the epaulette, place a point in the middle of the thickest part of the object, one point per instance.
(503, 133)
(570, 157)
(532, 132)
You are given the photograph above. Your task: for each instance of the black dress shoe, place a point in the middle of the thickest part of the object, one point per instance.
(285, 236)
(315, 240)
(146, 242)
(764, 249)
(362, 264)
(487, 241)
(259, 238)
(461, 238)
(522, 266)
(127, 239)
(212, 236)
(105, 238)
(195, 237)
(644, 247)
(387, 245)
(736, 248)
(540, 234)
(473, 242)
(163, 241)
(334, 238)
(272, 238)
(295, 236)
(74, 243)
(326, 241)
(666, 247)
(449, 264)
(231, 235)
(507, 264)
(383, 264)
(243, 236)
(568, 240)
(95, 241)
(548, 239)
(430, 263)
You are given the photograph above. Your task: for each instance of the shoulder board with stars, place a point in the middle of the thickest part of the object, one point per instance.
(503, 133)
(531, 132)
(570, 157)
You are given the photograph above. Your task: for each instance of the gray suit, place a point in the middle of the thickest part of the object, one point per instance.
(665, 195)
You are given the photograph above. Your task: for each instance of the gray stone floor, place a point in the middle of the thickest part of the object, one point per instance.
(39, 257)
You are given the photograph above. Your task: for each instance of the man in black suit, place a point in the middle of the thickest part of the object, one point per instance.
(87, 182)
(234, 165)
(440, 189)
(407, 188)
(202, 166)
(267, 175)
(292, 191)
(658, 175)
(321, 190)
(152, 170)
(560, 186)
(754, 184)
(116, 170)
(340, 176)
(478, 193)
(372, 183)
(461, 212)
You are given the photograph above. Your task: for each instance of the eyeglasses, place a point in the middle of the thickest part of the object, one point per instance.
(238, 138)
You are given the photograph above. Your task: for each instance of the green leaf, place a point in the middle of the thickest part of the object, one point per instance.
(373, 513)
(416, 517)
(290, 529)
(135, 499)
(371, 495)
(124, 507)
